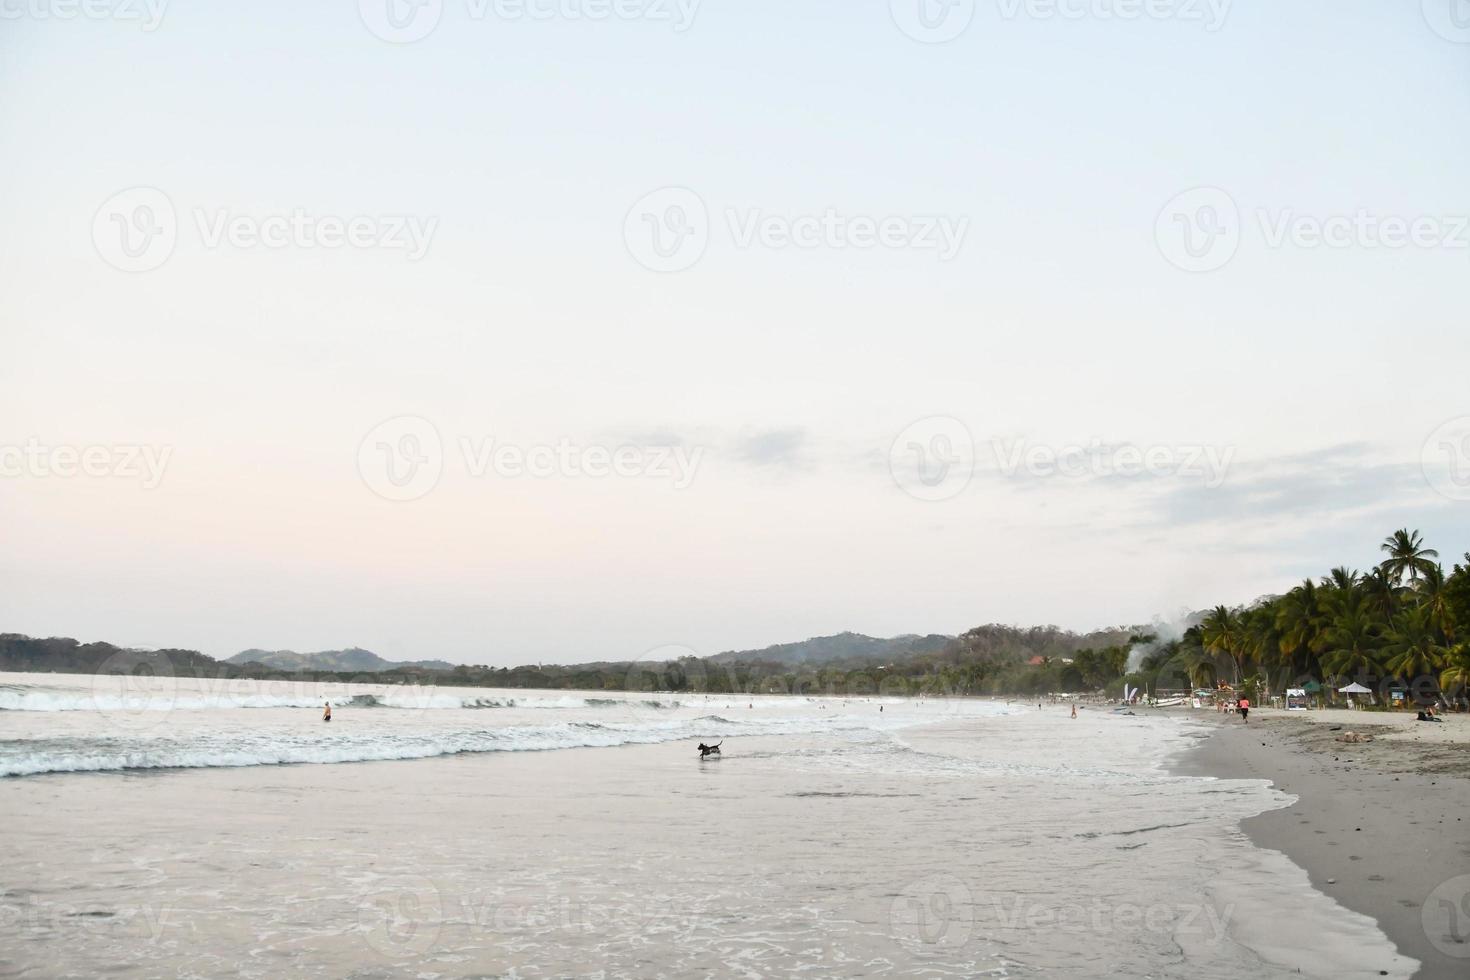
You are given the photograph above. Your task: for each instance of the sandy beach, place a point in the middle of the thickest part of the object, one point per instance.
(1382, 826)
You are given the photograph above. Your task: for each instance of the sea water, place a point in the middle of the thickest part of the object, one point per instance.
(197, 828)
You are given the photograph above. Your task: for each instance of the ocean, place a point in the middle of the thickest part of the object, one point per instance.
(178, 827)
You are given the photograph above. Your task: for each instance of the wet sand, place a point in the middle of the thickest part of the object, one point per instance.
(1381, 826)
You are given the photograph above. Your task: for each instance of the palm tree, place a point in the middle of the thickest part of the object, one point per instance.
(1221, 632)
(1413, 649)
(1432, 596)
(1456, 676)
(1341, 580)
(1299, 617)
(1407, 556)
(1351, 645)
(1199, 665)
(1382, 594)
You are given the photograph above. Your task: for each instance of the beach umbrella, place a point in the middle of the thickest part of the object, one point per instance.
(1355, 688)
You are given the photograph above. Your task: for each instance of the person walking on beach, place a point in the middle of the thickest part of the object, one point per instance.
(1074, 711)
(1245, 710)
(327, 712)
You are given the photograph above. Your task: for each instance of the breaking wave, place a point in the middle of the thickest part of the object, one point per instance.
(54, 754)
(412, 698)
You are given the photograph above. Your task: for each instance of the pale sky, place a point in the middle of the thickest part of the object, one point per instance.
(781, 252)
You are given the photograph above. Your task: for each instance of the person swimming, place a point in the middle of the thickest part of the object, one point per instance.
(327, 712)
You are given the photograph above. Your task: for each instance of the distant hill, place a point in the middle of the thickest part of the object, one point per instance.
(63, 655)
(999, 643)
(350, 660)
(841, 647)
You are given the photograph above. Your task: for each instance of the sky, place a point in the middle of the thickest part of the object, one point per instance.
(512, 331)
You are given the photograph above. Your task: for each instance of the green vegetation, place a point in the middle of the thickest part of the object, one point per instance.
(1401, 626)
(1398, 627)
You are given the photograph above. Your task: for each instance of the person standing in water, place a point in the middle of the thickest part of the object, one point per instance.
(327, 712)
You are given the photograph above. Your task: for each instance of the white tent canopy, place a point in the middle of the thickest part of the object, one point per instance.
(1354, 689)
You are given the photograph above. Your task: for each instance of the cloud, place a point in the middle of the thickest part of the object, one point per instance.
(1315, 484)
(773, 447)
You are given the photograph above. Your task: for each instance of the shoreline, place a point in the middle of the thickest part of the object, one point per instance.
(1379, 826)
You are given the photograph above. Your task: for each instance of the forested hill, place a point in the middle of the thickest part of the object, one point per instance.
(63, 655)
(349, 660)
(844, 647)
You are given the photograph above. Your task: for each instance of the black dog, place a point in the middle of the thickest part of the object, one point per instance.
(705, 751)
